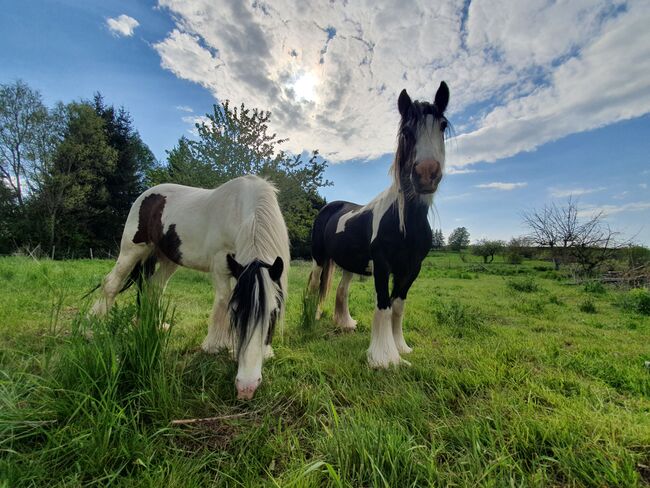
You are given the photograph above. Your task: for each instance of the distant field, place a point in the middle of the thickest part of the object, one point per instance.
(518, 378)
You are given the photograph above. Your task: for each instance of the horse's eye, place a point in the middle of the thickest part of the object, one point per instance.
(443, 126)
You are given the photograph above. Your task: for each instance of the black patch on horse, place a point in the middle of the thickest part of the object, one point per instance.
(150, 228)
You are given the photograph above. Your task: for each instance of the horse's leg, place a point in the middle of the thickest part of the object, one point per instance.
(158, 281)
(314, 285)
(382, 352)
(130, 255)
(342, 312)
(219, 336)
(396, 318)
(402, 284)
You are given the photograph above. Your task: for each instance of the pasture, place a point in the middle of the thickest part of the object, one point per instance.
(518, 378)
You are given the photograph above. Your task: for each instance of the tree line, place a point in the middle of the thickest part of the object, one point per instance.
(559, 233)
(69, 173)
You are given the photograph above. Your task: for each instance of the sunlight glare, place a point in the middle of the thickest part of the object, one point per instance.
(305, 87)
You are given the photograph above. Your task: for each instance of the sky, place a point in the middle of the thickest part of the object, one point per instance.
(549, 99)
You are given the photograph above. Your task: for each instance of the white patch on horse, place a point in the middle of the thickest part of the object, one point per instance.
(380, 206)
(429, 141)
(340, 226)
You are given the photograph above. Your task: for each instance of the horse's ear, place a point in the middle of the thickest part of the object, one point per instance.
(275, 271)
(404, 103)
(442, 97)
(234, 267)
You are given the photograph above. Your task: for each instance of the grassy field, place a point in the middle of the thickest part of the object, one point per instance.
(518, 378)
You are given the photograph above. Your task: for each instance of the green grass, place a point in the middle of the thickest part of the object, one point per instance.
(513, 382)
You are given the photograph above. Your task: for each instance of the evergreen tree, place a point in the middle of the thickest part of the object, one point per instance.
(127, 179)
(73, 192)
(438, 239)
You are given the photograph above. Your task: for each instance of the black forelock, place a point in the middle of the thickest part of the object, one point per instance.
(248, 304)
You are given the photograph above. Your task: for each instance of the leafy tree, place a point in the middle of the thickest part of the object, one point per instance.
(21, 113)
(236, 141)
(458, 239)
(438, 239)
(73, 191)
(517, 249)
(487, 249)
(8, 219)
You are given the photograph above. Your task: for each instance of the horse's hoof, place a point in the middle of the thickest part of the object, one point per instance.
(212, 348)
(347, 325)
(383, 363)
(404, 349)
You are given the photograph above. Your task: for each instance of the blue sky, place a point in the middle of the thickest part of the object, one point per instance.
(547, 99)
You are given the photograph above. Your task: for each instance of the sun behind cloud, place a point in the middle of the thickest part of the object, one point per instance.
(305, 87)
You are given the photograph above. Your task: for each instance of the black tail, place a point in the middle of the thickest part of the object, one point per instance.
(325, 280)
(141, 271)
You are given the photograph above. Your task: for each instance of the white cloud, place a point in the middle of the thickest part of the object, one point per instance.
(497, 185)
(184, 108)
(459, 171)
(573, 192)
(193, 120)
(643, 185)
(585, 67)
(609, 210)
(122, 25)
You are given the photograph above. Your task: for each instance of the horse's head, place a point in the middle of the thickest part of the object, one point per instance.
(420, 156)
(255, 306)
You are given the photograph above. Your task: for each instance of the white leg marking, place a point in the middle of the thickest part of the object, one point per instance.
(219, 336)
(397, 316)
(342, 312)
(382, 352)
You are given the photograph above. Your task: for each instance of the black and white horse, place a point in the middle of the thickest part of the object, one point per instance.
(389, 235)
(234, 231)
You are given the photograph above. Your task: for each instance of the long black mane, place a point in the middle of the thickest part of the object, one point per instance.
(249, 303)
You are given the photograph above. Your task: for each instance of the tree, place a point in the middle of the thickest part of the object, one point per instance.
(589, 242)
(458, 239)
(517, 249)
(487, 249)
(21, 114)
(127, 179)
(438, 240)
(236, 141)
(73, 192)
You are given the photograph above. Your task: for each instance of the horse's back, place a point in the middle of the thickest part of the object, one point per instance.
(342, 232)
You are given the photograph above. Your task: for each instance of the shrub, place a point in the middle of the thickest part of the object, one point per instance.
(525, 285)
(595, 287)
(637, 300)
(588, 306)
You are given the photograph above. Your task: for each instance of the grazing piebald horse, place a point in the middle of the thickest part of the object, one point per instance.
(234, 231)
(389, 235)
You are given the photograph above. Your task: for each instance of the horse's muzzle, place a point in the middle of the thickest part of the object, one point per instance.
(426, 176)
(246, 389)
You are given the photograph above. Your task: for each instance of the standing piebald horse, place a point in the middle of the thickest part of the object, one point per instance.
(235, 230)
(389, 235)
